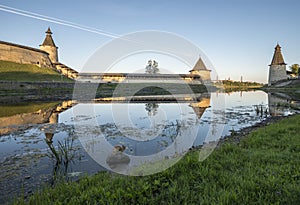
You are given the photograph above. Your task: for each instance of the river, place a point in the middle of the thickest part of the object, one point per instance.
(46, 142)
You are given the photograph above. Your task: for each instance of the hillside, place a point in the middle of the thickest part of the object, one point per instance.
(10, 71)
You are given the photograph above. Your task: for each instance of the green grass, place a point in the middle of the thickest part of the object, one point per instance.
(263, 168)
(9, 110)
(10, 71)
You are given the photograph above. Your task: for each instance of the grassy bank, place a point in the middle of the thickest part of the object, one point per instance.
(262, 168)
(10, 71)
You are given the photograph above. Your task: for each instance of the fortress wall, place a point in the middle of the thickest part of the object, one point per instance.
(23, 54)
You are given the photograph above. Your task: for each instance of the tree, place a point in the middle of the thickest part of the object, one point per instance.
(295, 69)
(155, 67)
(149, 67)
(152, 67)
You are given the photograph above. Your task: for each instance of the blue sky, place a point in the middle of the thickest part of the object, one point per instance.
(238, 36)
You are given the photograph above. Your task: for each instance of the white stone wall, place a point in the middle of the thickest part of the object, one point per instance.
(23, 55)
(276, 73)
(97, 79)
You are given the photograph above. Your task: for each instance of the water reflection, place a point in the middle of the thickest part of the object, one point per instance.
(152, 132)
(261, 110)
(62, 155)
(151, 108)
(50, 140)
(117, 160)
(201, 105)
(22, 116)
(281, 104)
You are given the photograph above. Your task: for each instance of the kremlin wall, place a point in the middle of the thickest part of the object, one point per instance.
(47, 56)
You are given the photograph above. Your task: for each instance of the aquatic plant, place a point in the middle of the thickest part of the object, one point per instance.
(63, 155)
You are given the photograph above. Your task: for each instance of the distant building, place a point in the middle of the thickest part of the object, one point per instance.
(277, 68)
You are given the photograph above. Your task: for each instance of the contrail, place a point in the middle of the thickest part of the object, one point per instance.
(56, 21)
(68, 23)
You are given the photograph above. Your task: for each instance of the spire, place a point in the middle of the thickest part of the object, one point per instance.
(48, 40)
(48, 31)
(277, 57)
(200, 65)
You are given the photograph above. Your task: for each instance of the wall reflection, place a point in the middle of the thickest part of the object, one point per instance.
(161, 131)
(20, 116)
(282, 104)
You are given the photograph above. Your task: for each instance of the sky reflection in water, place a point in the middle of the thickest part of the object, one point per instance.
(145, 129)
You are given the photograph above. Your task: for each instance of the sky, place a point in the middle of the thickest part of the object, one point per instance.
(237, 36)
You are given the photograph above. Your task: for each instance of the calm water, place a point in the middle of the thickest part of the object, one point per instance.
(62, 141)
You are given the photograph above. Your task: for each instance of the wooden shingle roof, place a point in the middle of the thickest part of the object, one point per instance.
(277, 57)
(48, 40)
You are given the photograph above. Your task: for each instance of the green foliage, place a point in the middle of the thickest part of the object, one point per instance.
(263, 168)
(229, 83)
(233, 86)
(295, 69)
(10, 71)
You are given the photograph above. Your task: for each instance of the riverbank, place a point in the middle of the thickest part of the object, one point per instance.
(258, 166)
(17, 72)
(233, 86)
(289, 87)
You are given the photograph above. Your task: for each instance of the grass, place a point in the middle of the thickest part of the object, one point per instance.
(10, 110)
(263, 168)
(10, 71)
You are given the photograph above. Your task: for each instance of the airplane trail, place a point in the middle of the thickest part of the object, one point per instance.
(56, 21)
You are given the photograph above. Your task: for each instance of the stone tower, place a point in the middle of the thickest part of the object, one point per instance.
(277, 70)
(201, 69)
(49, 46)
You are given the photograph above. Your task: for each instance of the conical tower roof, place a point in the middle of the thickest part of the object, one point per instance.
(277, 57)
(48, 40)
(200, 65)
